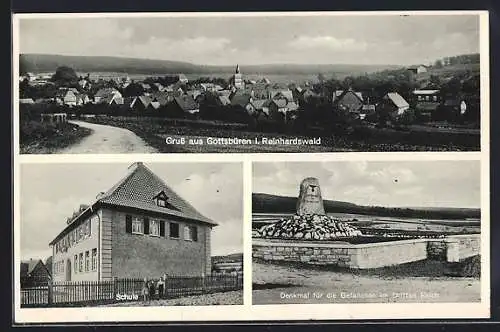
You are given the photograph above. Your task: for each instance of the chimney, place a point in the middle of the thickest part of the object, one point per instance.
(136, 164)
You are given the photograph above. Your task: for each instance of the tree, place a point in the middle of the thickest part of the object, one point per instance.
(438, 64)
(65, 76)
(133, 90)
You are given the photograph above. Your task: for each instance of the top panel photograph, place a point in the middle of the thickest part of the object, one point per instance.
(248, 82)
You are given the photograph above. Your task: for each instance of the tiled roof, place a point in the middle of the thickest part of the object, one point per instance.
(280, 102)
(28, 266)
(138, 189)
(224, 100)
(397, 99)
(186, 103)
(240, 99)
(260, 103)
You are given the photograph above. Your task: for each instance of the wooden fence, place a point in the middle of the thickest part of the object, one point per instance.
(85, 293)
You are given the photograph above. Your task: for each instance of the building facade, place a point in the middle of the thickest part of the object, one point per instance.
(139, 228)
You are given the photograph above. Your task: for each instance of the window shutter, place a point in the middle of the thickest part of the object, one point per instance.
(146, 225)
(162, 228)
(195, 233)
(128, 223)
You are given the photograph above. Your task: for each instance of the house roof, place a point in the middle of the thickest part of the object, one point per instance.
(281, 103)
(26, 101)
(260, 103)
(105, 92)
(288, 94)
(397, 99)
(241, 99)
(426, 92)
(162, 97)
(137, 190)
(28, 266)
(292, 106)
(186, 103)
(339, 94)
(224, 100)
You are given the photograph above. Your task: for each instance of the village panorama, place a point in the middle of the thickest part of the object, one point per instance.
(424, 107)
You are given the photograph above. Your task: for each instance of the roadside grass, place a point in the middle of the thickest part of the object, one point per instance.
(38, 138)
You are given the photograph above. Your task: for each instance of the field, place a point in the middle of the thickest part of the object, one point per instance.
(156, 130)
(36, 137)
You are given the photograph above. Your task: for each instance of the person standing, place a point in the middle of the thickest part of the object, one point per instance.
(145, 290)
(160, 286)
(152, 290)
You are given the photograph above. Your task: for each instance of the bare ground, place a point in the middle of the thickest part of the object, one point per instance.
(226, 298)
(275, 284)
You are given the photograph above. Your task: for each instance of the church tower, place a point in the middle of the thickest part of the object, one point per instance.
(238, 78)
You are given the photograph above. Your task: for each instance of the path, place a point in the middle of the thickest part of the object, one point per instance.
(108, 139)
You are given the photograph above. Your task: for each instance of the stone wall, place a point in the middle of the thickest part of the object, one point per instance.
(460, 247)
(364, 256)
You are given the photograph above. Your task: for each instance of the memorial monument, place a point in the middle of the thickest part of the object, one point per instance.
(310, 221)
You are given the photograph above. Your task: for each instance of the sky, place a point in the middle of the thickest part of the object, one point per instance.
(389, 184)
(347, 39)
(214, 189)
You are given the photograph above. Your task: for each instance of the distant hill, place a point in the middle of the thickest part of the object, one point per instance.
(238, 257)
(266, 203)
(38, 63)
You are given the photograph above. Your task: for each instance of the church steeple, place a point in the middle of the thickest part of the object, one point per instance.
(237, 69)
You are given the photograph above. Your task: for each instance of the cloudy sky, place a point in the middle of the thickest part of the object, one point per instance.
(389, 39)
(391, 184)
(214, 189)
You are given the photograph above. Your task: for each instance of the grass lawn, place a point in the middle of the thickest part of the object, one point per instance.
(38, 138)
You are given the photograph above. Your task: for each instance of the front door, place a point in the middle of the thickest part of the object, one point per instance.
(68, 270)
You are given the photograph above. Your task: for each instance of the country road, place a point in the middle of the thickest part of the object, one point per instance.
(108, 139)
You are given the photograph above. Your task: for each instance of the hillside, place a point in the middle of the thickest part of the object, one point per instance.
(38, 63)
(266, 203)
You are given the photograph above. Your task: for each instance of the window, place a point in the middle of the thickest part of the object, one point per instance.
(161, 199)
(190, 233)
(75, 264)
(434, 98)
(87, 261)
(137, 226)
(154, 227)
(94, 259)
(174, 230)
(161, 202)
(80, 263)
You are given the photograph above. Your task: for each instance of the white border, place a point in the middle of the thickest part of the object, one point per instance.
(247, 312)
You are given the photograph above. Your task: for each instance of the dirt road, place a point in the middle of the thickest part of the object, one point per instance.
(108, 139)
(286, 285)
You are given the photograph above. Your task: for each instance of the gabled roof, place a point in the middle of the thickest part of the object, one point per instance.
(186, 103)
(281, 103)
(260, 103)
(397, 99)
(426, 92)
(224, 100)
(292, 106)
(288, 94)
(28, 266)
(339, 94)
(105, 92)
(162, 97)
(241, 99)
(138, 190)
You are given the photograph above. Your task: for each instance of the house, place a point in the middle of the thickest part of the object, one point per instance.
(393, 104)
(281, 94)
(183, 104)
(228, 264)
(105, 95)
(82, 99)
(348, 100)
(279, 108)
(140, 228)
(140, 103)
(182, 79)
(243, 101)
(34, 273)
(223, 100)
(419, 69)
(426, 100)
(66, 97)
(26, 101)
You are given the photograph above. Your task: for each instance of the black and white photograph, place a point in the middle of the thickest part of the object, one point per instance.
(366, 232)
(144, 234)
(248, 82)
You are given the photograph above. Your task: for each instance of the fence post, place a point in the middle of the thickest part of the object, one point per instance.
(203, 282)
(49, 292)
(114, 288)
